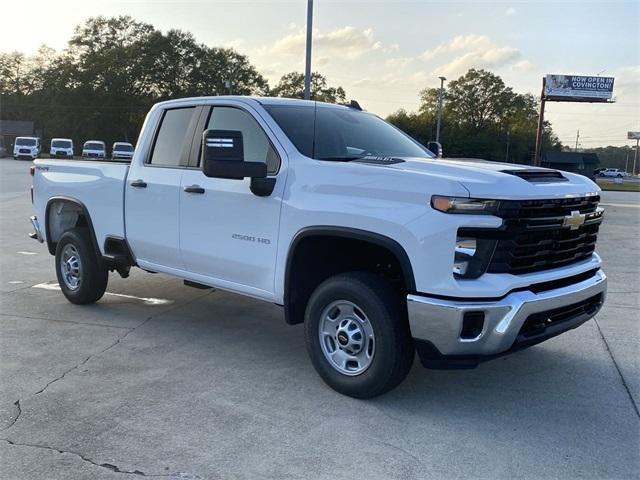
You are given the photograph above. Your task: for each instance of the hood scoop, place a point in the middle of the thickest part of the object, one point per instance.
(538, 176)
(379, 160)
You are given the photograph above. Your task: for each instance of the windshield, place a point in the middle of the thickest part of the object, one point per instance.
(342, 134)
(61, 144)
(93, 146)
(26, 142)
(123, 148)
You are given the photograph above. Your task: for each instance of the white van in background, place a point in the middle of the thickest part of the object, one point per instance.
(61, 148)
(26, 147)
(94, 149)
(122, 151)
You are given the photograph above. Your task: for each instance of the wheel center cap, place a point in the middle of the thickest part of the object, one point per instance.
(343, 339)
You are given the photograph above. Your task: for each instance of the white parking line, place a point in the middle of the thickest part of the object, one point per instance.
(15, 282)
(146, 300)
(27, 253)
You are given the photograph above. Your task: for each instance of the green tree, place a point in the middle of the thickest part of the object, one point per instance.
(291, 85)
(111, 73)
(481, 116)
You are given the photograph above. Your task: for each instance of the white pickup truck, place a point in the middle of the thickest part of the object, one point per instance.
(380, 249)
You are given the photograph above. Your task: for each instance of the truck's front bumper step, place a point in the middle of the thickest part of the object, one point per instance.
(462, 333)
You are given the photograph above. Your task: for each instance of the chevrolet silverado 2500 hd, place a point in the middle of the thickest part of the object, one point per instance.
(355, 229)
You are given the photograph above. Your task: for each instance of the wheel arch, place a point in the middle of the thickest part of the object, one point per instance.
(78, 215)
(292, 302)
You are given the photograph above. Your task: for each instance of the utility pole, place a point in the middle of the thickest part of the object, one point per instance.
(635, 157)
(626, 163)
(307, 65)
(506, 157)
(577, 138)
(536, 156)
(440, 97)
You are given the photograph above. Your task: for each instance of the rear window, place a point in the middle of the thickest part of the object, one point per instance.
(61, 144)
(26, 142)
(93, 146)
(171, 137)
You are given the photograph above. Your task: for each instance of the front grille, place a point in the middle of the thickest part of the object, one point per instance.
(538, 323)
(24, 150)
(539, 235)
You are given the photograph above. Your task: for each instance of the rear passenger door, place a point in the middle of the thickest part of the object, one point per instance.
(227, 233)
(153, 192)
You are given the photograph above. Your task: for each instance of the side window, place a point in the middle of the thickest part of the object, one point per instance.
(257, 147)
(171, 136)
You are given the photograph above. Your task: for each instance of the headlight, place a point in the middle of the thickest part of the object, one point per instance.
(473, 206)
(472, 256)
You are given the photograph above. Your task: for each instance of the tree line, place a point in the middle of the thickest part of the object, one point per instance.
(114, 69)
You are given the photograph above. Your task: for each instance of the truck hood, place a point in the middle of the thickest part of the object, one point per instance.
(484, 179)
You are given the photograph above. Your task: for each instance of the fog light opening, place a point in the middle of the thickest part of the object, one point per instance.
(472, 325)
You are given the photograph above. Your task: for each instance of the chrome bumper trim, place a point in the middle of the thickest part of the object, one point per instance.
(37, 234)
(440, 321)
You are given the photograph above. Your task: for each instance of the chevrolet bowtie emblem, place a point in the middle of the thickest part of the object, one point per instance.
(574, 221)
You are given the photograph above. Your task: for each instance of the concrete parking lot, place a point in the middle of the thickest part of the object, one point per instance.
(158, 379)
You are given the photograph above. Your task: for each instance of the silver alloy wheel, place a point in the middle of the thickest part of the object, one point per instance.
(71, 267)
(346, 337)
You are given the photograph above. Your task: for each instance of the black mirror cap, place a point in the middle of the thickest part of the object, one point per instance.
(233, 169)
(223, 156)
(222, 145)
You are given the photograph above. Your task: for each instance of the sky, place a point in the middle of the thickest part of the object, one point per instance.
(384, 52)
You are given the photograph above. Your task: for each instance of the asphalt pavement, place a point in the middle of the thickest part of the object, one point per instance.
(159, 379)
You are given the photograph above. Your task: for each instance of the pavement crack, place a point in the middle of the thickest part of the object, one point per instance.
(615, 364)
(108, 466)
(13, 422)
(75, 367)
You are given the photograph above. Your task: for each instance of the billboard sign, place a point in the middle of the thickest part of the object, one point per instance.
(578, 87)
(633, 135)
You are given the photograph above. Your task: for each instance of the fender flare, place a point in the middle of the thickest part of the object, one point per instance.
(51, 245)
(353, 233)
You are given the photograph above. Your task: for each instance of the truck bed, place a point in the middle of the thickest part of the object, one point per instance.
(98, 185)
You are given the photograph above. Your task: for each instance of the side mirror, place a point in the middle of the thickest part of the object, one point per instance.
(223, 156)
(435, 148)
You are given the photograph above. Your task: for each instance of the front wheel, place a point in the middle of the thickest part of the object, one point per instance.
(81, 275)
(357, 335)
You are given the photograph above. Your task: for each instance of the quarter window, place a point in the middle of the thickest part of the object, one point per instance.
(171, 137)
(257, 147)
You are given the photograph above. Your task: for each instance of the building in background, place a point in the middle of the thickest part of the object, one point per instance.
(576, 162)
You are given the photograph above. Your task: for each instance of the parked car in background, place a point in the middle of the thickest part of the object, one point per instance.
(26, 147)
(613, 172)
(61, 148)
(94, 149)
(122, 151)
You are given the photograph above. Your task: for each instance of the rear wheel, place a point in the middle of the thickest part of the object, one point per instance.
(81, 275)
(357, 335)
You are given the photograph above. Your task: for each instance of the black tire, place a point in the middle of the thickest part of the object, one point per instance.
(93, 275)
(394, 350)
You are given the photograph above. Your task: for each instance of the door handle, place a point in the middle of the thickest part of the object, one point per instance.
(194, 189)
(138, 184)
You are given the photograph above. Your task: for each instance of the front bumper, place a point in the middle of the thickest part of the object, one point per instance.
(522, 318)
